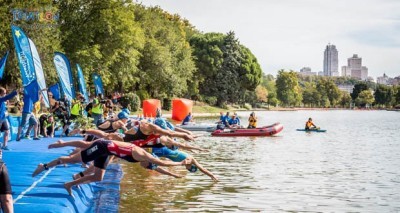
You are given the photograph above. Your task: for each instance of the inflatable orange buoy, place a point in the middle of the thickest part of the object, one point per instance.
(150, 107)
(181, 108)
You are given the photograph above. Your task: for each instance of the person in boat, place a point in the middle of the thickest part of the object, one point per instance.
(310, 124)
(188, 119)
(234, 122)
(98, 152)
(252, 121)
(224, 121)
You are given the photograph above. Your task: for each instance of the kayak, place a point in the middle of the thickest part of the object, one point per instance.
(262, 131)
(312, 130)
(198, 127)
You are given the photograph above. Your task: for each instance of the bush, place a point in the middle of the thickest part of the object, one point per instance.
(166, 104)
(130, 101)
(247, 106)
(211, 100)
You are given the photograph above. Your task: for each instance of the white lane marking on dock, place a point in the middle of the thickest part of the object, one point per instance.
(20, 196)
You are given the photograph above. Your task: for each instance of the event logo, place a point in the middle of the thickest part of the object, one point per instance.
(37, 18)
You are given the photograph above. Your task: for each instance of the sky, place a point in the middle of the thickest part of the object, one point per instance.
(291, 34)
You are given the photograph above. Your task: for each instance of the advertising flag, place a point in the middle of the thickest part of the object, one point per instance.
(98, 84)
(3, 62)
(82, 84)
(65, 75)
(39, 72)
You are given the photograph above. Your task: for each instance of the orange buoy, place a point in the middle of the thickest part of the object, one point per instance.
(150, 107)
(181, 108)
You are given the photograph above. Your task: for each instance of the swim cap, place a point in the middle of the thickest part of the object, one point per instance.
(126, 110)
(123, 115)
(161, 123)
(193, 168)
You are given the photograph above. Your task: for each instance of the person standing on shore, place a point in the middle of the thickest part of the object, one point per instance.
(4, 125)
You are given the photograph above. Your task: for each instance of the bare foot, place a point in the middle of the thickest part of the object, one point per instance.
(69, 189)
(38, 170)
(74, 132)
(57, 144)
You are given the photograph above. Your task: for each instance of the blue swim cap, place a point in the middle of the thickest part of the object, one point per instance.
(193, 168)
(161, 123)
(123, 115)
(126, 110)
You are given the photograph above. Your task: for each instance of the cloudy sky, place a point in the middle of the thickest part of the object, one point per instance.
(291, 34)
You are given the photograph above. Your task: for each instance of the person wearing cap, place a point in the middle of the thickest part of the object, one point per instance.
(234, 122)
(310, 124)
(47, 124)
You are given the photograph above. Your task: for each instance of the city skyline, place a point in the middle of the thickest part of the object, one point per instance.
(292, 34)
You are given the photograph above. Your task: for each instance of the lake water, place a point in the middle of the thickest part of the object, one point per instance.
(353, 167)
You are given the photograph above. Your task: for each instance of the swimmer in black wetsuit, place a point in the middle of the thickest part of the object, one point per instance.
(6, 199)
(98, 151)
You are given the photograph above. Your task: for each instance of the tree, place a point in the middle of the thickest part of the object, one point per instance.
(358, 88)
(365, 97)
(384, 95)
(261, 93)
(345, 99)
(311, 96)
(288, 90)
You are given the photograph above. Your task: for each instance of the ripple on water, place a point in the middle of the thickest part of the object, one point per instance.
(354, 167)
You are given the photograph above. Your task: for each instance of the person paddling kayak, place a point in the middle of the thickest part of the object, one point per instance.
(310, 124)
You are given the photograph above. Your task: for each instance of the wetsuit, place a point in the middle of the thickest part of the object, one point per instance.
(5, 185)
(137, 136)
(109, 129)
(101, 149)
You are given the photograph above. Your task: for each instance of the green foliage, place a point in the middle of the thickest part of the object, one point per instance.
(130, 101)
(365, 97)
(311, 97)
(167, 104)
(288, 89)
(384, 95)
(358, 88)
(328, 90)
(345, 99)
(211, 100)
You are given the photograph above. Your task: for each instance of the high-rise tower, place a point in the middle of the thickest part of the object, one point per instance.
(331, 62)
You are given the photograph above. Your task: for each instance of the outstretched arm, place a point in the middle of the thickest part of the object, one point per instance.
(170, 142)
(204, 170)
(78, 144)
(141, 155)
(160, 131)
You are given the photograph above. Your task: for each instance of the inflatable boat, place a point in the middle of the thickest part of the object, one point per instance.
(262, 131)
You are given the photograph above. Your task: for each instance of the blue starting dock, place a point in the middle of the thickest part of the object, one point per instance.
(45, 192)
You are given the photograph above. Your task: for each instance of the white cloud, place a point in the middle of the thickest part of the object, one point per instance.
(291, 34)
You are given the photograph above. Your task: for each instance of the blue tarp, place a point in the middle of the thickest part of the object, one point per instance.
(45, 193)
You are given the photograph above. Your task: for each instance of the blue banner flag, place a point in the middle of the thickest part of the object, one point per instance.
(55, 90)
(3, 62)
(98, 84)
(82, 84)
(39, 73)
(26, 64)
(64, 74)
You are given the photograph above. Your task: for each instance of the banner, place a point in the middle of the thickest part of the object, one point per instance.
(3, 62)
(82, 84)
(55, 90)
(98, 84)
(39, 73)
(64, 74)
(26, 64)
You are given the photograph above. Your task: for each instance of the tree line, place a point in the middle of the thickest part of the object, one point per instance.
(290, 89)
(135, 48)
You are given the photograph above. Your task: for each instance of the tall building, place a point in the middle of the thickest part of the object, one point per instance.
(331, 62)
(355, 69)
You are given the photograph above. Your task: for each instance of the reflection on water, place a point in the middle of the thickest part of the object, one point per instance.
(352, 167)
